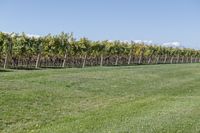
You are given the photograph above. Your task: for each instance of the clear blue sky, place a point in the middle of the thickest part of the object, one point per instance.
(157, 20)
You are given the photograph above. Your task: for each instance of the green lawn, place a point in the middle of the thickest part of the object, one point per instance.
(138, 99)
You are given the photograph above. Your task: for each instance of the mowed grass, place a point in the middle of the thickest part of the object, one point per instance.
(138, 99)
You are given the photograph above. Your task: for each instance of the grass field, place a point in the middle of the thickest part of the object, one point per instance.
(138, 99)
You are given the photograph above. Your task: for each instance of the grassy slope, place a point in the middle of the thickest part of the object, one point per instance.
(159, 98)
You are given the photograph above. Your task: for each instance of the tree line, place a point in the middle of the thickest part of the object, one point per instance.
(63, 50)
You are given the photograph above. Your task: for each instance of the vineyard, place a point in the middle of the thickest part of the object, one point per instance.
(63, 50)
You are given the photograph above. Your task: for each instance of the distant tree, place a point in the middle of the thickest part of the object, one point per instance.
(7, 48)
(85, 49)
(38, 49)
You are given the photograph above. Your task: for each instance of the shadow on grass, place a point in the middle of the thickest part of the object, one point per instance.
(6, 70)
(25, 68)
(33, 68)
(52, 67)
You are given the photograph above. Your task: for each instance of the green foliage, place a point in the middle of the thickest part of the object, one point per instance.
(21, 46)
